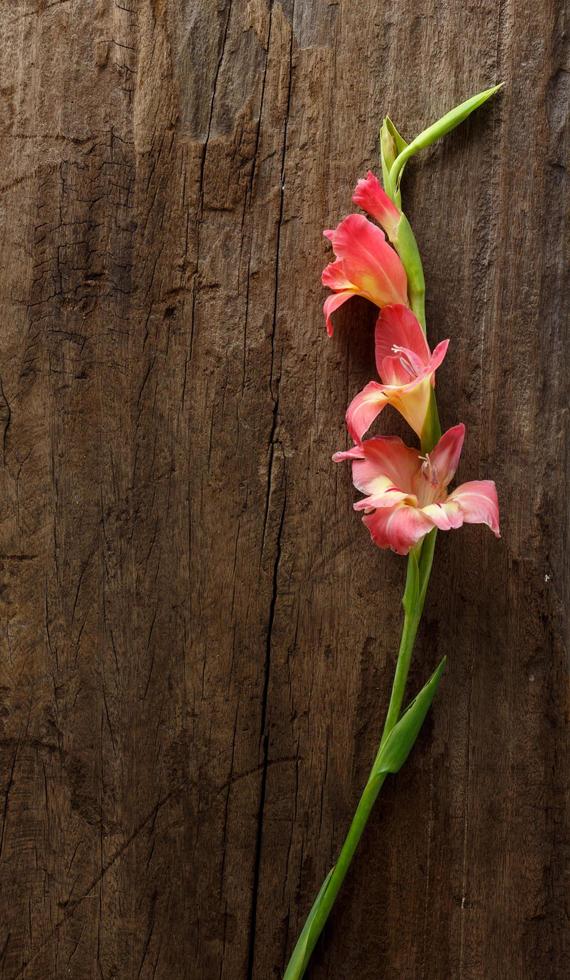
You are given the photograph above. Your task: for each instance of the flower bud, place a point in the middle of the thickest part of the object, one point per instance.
(391, 145)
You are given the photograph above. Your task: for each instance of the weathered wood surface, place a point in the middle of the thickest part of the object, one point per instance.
(196, 636)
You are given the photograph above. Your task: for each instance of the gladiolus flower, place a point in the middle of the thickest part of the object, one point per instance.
(366, 265)
(406, 494)
(407, 370)
(370, 196)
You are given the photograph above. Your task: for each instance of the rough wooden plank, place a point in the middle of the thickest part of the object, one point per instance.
(196, 636)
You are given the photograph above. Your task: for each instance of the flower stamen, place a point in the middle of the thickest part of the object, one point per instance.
(405, 360)
(429, 471)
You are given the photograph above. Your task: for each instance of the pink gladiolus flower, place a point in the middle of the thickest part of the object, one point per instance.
(407, 370)
(365, 265)
(370, 196)
(406, 494)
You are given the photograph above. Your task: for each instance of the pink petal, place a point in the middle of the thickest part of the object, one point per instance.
(445, 456)
(332, 303)
(364, 408)
(370, 196)
(356, 452)
(334, 276)
(383, 456)
(393, 371)
(478, 503)
(437, 358)
(398, 327)
(398, 528)
(446, 516)
(383, 495)
(370, 263)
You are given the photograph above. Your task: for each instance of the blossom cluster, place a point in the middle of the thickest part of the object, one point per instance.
(406, 490)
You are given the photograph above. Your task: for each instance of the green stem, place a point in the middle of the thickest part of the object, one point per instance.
(432, 429)
(298, 964)
(409, 632)
(426, 562)
(419, 569)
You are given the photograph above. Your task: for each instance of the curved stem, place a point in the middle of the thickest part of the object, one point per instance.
(438, 129)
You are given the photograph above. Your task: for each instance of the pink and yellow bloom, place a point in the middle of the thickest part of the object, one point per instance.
(365, 265)
(407, 370)
(370, 196)
(406, 494)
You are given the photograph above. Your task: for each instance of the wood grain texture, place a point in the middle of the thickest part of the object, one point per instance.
(196, 636)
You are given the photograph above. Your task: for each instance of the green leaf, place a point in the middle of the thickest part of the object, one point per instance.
(306, 941)
(400, 741)
(437, 130)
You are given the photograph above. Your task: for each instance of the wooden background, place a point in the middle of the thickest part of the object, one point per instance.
(196, 636)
